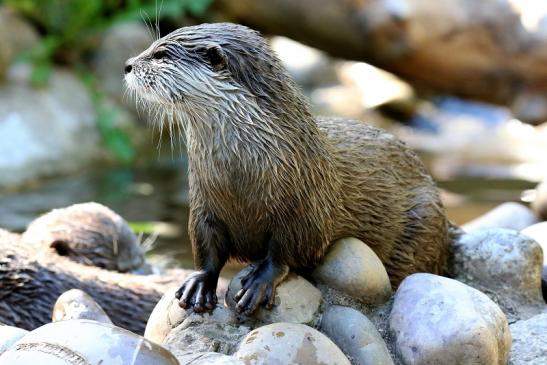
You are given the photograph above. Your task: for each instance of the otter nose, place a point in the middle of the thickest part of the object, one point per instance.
(128, 68)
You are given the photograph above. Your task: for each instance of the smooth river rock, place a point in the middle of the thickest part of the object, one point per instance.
(440, 321)
(10, 335)
(218, 331)
(538, 232)
(356, 335)
(504, 264)
(507, 215)
(168, 315)
(83, 342)
(45, 131)
(77, 304)
(16, 36)
(353, 268)
(296, 300)
(208, 358)
(530, 341)
(289, 343)
(539, 205)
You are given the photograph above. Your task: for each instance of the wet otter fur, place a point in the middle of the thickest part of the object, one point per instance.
(31, 281)
(269, 183)
(88, 233)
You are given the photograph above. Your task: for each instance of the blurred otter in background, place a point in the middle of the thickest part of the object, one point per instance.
(271, 184)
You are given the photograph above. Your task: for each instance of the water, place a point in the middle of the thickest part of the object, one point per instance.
(156, 197)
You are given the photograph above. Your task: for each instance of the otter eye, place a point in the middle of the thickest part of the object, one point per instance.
(158, 55)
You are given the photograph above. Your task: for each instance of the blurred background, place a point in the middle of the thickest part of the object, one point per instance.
(463, 82)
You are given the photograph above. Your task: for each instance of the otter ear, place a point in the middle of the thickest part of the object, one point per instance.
(216, 57)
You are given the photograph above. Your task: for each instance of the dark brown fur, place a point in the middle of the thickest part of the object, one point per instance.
(270, 183)
(31, 282)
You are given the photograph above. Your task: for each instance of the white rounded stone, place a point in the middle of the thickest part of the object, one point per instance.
(507, 215)
(9, 335)
(296, 300)
(355, 334)
(353, 268)
(505, 264)
(80, 341)
(289, 343)
(530, 341)
(77, 304)
(440, 321)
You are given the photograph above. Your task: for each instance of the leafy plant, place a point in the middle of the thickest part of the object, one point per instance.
(69, 30)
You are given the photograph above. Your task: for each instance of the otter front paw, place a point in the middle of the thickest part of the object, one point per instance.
(258, 287)
(198, 292)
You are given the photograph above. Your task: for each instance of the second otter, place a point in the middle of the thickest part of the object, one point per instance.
(269, 183)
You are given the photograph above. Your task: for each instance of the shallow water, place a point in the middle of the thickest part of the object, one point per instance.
(155, 198)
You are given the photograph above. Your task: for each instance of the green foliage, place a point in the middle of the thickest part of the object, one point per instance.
(70, 28)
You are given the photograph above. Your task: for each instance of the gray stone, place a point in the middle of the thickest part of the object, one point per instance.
(289, 343)
(45, 131)
(507, 215)
(209, 332)
(353, 268)
(80, 341)
(77, 304)
(538, 232)
(9, 335)
(529, 341)
(207, 358)
(296, 300)
(539, 205)
(356, 335)
(504, 264)
(168, 315)
(438, 321)
(16, 36)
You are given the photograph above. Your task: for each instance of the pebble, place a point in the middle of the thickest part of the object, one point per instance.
(506, 265)
(77, 304)
(438, 321)
(355, 334)
(508, 215)
(353, 268)
(289, 343)
(296, 300)
(538, 232)
(530, 341)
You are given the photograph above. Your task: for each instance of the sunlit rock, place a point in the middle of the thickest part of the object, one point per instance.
(507, 215)
(440, 321)
(356, 335)
(76, 304)
(504, 264)
(76, 342)
(289, 343)
(296, 300)
(351, 267)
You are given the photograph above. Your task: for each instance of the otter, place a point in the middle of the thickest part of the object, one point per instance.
(31, 280)
(88, 233)
(272, 185)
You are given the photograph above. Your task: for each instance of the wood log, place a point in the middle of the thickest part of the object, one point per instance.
(468, 48)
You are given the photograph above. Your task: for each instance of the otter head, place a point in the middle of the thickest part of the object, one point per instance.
(207, 69)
